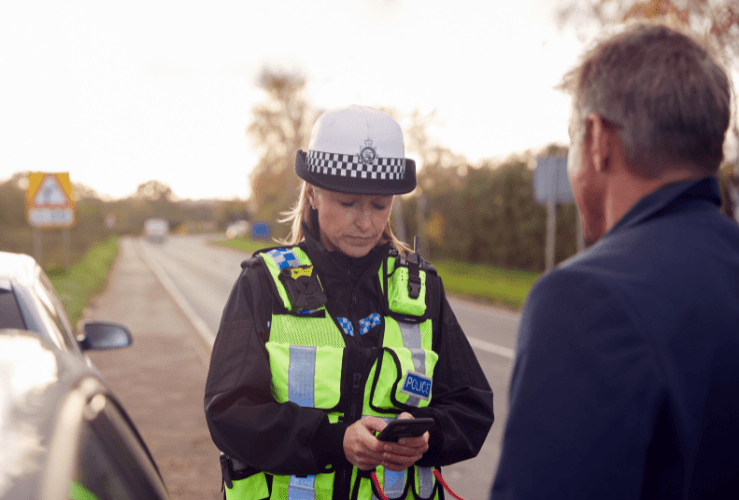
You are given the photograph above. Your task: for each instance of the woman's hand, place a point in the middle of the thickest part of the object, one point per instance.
(364, 450)
(406, 452)
(361, 447)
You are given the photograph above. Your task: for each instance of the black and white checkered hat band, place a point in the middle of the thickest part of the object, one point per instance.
(343, 165)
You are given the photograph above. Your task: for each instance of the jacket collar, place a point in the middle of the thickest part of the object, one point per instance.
(668, 198)
(338, 264)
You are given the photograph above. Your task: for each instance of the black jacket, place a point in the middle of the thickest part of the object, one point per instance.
(246, 423)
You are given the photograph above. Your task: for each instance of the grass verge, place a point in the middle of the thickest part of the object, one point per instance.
(493, 285)
(245, 244)
(507, 287)
(85, 278)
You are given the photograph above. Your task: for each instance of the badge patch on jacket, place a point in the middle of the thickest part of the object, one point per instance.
(303, 287)
(416, 384)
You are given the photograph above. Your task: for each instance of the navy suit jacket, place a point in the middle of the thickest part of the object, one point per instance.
(626, 378)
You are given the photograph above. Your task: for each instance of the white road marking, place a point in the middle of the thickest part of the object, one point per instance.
(486, 346)
(202, 328)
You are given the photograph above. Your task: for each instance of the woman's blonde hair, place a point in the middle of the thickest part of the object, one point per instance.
(302, 212)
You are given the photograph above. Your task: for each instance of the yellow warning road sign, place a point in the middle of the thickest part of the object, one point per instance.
(50, 201)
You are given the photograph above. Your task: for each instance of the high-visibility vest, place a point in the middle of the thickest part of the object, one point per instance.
(306, 351)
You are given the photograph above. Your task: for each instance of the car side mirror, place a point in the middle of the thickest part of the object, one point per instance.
(101, 335)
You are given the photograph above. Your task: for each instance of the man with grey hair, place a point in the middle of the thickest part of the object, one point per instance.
(626, 378)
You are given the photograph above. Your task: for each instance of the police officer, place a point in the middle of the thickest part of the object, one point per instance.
(327, 338)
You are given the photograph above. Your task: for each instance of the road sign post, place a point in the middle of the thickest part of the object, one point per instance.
(551, 186)
(38, 245)
(551, 231)
(50, 205)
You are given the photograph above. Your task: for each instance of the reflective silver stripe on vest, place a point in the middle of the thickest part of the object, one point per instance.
(393, 482)
(425, 481)
(301, 488)
(412, 341)
(411, 333)
(301, 376)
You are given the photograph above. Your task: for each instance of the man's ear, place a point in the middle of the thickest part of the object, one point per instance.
(596, 142)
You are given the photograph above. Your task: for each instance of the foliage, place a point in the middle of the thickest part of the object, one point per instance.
(280, 126)
(86, 278)
(714, 22)
(487, 215)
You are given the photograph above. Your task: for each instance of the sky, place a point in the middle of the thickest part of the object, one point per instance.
(119, 93)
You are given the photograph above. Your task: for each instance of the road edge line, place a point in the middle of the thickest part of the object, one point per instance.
(492, 348)
(207, 335)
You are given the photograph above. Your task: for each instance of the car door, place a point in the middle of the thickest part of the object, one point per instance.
(112, 462)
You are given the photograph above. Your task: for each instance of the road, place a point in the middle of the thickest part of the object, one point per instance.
(199, 276)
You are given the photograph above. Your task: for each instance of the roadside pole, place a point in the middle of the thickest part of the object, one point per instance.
(551, 230)
(66, 248)
(37, 245)
(399, 221)
(423, 247)
(551, 187)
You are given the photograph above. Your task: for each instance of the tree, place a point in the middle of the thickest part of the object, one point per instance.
(715, 22)
(438, 170)
(280, 126)
(154, 191)
(12, 201)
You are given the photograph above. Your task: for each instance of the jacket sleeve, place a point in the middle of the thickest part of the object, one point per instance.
(244, 420)
(462, 400)
(584, 396)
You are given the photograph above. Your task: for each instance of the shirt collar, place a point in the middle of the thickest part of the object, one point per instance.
(668, 197)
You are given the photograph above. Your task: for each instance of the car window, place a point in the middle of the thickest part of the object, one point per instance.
(53, 309)
(10, 313)
(112, 462)
(58, 306)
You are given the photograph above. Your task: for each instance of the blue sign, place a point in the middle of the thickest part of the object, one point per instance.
(260, 231)
(550, 179)
(417, 384)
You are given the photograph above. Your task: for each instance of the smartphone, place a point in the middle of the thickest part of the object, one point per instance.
(405, 427)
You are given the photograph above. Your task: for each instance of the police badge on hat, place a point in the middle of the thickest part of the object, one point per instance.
(334, 162)
(367, 154)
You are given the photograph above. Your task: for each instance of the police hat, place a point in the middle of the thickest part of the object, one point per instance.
(358, 150)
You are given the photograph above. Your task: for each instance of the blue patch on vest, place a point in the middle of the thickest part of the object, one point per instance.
(416, 384)
(346, 325)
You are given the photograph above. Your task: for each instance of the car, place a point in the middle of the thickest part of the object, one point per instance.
(239, 228)
(63, 433)
(156, 230)
(28, 302)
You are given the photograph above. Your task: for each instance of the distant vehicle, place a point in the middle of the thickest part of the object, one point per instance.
(240, 228)
(260, 231)
(156, 230)
(63, 432)
(28, 301)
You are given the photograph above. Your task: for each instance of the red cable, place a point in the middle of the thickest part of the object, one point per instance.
(377, 486)
(436, 473)
(443, 483)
